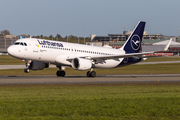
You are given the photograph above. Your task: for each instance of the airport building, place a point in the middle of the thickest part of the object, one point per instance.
(151, 42)
(124, 37)
(6, 41)
(147, 45)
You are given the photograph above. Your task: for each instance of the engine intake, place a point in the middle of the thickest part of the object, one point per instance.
(81, 64)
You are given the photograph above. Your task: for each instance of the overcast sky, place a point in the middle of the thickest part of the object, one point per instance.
(85, 17)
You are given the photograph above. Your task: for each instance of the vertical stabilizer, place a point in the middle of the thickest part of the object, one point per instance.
(133, 44)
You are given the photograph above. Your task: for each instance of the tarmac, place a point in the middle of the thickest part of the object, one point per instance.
(84, 79)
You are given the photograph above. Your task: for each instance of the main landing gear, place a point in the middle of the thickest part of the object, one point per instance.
(60, 72)
(91, 73)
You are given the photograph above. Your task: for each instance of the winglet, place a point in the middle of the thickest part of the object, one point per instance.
(167, 46)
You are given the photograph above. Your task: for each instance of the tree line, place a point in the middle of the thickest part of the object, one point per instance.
(70, 38)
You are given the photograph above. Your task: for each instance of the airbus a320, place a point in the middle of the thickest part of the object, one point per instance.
(39, 53)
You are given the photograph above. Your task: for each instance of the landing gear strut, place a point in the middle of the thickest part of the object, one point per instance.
(26, 70)
(60, 73)
(91, 73)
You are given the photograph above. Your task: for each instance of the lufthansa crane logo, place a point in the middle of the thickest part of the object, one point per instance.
(135, 42)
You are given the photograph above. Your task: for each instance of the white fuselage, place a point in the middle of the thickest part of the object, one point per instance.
(57, 53)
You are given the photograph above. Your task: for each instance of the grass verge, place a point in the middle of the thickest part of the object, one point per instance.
(90, 101)
(8, 60)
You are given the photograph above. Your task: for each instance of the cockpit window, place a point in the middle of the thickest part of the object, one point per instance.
(17, 43)
(20, 43)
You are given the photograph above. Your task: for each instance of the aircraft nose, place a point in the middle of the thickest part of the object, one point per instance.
(10, 50)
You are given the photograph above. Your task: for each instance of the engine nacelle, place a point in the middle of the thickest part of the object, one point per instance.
(81, 64)
(38, 65)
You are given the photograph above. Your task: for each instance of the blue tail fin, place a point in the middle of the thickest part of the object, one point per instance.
(133, 44)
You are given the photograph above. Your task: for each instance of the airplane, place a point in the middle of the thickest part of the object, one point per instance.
(39, 53)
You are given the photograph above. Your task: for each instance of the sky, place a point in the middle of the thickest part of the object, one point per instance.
(85, 17)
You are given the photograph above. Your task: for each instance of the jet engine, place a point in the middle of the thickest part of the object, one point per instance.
(81, 64)
(37, 65)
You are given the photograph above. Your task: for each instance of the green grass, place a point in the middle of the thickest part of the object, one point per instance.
(90, 101)
(8, 60)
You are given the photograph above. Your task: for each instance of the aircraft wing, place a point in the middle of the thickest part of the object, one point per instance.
(106, 57)
(134, 55)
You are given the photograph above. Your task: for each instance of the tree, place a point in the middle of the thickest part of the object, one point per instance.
(58, 36)
(51, 36)
(5, 32)
(73, 37)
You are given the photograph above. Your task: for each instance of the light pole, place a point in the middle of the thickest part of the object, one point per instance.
(67, 34)
(57, 35)
(109, 33)
(52, 33)
(78, 34)
(84, 34)
(122, 34)
(151, 33)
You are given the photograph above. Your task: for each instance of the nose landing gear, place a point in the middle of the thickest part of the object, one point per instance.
(26, 70)
(28, 63)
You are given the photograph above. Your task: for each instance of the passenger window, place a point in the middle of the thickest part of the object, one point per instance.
(21, 44)
(25, 44)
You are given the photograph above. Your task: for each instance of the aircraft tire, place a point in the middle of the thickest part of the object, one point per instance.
(26, 70)
(93, 74)
(60, 73)
(63, 73)
(88, 74)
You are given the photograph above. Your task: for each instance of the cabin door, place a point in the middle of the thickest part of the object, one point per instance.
(35, 46)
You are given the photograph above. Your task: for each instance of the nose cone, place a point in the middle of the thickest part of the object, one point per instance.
(10, 50)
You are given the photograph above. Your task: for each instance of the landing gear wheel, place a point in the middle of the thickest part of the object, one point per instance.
(63, 73)
(88, 74)
(26, 70)
(91, 74)
(60, 73)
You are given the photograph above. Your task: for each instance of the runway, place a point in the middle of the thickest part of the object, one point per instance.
(84, 79)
